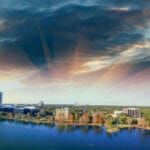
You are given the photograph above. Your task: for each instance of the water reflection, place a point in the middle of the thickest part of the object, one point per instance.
(63, 136)
(85, 129)
(144, 133)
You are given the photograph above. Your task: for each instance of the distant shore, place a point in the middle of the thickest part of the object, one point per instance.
(108, 129)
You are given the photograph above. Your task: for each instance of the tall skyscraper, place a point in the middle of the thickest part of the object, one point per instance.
(1, 98)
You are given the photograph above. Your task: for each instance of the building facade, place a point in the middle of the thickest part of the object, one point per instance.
(26, 110)
(62, 114)
(41, 103)
(117, 113)
(8, 108)
(132, 112)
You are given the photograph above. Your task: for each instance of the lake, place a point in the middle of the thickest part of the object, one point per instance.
(20, 136)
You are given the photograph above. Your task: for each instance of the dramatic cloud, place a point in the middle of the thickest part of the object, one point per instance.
(135, 53)
(72, 44)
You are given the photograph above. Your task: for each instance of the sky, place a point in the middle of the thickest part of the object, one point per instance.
(75, 51)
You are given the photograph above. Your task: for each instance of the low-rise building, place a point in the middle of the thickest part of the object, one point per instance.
(117, 113)
(26, 110)
(7, 108)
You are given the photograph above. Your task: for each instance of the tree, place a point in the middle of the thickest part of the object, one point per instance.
(85, 118)
(76, 117)
(134, 122)
(110, 121)
(115, 121)
(147, 117)
(9, 115)
(1, 114)
(123, 120)
(71, 118)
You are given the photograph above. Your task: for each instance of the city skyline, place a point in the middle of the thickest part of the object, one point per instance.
(62, 52)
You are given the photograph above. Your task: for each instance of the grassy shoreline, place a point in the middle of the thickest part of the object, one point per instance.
(109, 130)
(113, 129)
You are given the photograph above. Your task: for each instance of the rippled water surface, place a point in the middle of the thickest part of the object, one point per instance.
(19, 136)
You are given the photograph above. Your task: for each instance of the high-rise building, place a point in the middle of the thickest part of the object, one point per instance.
(1, 98)
(132, 112)
(62, 114)
(41, 103)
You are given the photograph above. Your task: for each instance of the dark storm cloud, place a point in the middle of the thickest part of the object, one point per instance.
(104, 25)
(139, 66)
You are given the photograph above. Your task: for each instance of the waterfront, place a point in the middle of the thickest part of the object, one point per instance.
(19, 136)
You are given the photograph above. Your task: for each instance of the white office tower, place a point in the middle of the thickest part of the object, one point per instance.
(41, 103)
(1, 98)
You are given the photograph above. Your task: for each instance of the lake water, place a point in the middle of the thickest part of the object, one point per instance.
(19, 136)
